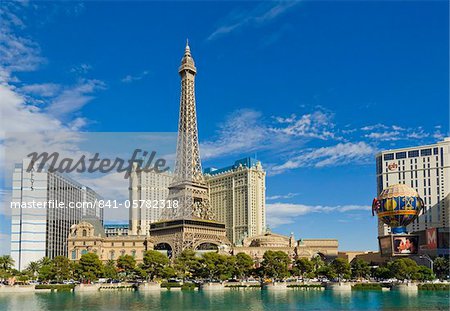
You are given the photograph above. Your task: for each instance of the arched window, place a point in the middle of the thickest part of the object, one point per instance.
(122, 252)
(74, 254)
(84, 232)
(84, 252)
(133, 253)
(112, 255)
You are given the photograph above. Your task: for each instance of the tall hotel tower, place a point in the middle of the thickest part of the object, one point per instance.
(238, 195)
(427, 170)
(38, 231)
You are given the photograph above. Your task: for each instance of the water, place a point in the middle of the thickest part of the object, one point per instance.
(228, 300)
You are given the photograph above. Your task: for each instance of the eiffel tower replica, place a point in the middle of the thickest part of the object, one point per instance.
(191, 224)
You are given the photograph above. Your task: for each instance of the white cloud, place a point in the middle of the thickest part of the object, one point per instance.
(282, 196)
(81, 69)
(340, 154)
(131, 78)
(314, 125)
(242, 131)
(384, 136)
(257, 16)
(43, 89)
(285, 213)
(74, 98)
(246, 131)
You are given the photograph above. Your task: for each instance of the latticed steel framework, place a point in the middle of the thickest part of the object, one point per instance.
(188, 186)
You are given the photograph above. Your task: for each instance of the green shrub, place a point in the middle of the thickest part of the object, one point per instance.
(367, 286)
(188, 286)
(434, 287)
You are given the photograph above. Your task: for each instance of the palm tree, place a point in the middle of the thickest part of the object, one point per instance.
(45, 261)
(6, 262)
(33, 267)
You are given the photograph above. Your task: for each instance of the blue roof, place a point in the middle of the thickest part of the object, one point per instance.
(247, 162)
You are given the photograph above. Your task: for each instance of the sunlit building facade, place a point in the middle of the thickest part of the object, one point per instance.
(427, 170)
(237, 195)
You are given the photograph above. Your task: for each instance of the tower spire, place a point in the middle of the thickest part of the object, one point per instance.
(188, 186)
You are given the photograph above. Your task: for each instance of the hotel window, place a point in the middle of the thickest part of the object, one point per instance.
(413, 153)
(425, 152)
(400, 155)
(74, 254)
(388, 157)
(83, 252)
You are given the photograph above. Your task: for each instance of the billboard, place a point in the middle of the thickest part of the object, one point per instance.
(405, 244)
(385, 243)
(432, 242)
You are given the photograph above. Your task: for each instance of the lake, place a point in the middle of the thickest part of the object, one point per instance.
(250, 299)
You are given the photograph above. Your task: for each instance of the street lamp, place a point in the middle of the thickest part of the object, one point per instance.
(426, 256)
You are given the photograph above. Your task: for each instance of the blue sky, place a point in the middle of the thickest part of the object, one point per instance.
(313, 89)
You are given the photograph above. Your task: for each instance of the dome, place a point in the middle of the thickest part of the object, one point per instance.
(269, 240)
(397, 206)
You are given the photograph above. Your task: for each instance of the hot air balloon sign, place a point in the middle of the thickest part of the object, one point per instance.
(397, 206)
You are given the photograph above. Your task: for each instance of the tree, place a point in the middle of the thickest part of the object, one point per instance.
(154, 263)
(243, 265)
(302, 266)
(360, 269)
(126, 263)
(60, 268)
(215, 266)
(186, 263)
(168, 272)
(6, 262)
(110, 270)
(317, 262)
(46, 272)
(33, 268)
(423, 274)
(441, 267)
(326, 271)
(275, 264)
(91, 267)
(341, 267)
(403, 268)
(382, 273)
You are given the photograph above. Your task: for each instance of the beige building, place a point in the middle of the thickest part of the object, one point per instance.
(237, 195)
(427, 170)
(147, 186)
(89, 236)
(256, 246)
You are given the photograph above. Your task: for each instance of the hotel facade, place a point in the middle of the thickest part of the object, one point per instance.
(44, 206)
(237, 195)
(427, 170)
(147, 186)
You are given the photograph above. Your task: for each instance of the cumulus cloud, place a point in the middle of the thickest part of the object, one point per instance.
(340, 154)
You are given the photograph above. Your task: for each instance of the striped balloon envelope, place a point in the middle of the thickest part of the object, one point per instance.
(397, 206)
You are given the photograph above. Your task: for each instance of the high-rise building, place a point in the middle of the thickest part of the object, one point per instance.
(237, 195)
(43, 207)
(147, 186)
(427, 170)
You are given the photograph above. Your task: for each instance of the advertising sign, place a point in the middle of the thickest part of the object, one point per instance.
(405, 244)
(385, 243)
(431, 238)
